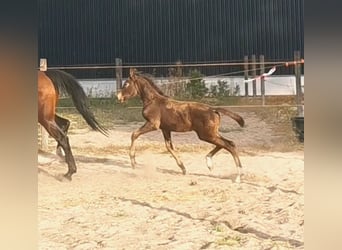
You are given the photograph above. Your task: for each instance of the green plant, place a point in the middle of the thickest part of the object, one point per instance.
(195, 88)
(223, 89)
(220, 90)
(229, 241)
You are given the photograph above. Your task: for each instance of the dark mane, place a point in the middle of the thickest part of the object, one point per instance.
(153, 85)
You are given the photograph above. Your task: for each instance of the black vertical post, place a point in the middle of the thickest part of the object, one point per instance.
(246, 74)
(254, 74)
(118, 74)
(262, 80)
(299, 94)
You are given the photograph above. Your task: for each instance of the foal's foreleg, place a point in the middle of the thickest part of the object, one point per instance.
(169, 146)
(147, 127)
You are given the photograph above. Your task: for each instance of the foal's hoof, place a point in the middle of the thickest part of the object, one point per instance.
(68, 177)
(133, 163)
(63, 178)
(184, 171)
(209, 163)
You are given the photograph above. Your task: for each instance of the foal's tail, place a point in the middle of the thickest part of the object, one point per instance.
(63, 81)
(231, 114)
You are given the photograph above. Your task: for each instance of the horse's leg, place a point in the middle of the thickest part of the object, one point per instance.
(63, 140)
(210, 155)
(222, 142)
(64, 125)
(230, 146)
(169, 146)
(147, 127)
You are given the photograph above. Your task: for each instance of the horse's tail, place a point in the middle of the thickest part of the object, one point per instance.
(231, 114)
(65, 82)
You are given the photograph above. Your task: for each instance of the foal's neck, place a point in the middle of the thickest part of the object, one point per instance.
(148, 93)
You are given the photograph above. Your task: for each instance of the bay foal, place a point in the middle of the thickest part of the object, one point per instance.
(162, 112)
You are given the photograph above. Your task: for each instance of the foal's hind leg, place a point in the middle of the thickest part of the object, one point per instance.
(64, 125)
(210, 155)
(230, 146)
(147, 127)
(169, 146)
(221, 142)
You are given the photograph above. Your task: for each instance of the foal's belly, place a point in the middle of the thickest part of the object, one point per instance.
(176, 126)
(176, 119)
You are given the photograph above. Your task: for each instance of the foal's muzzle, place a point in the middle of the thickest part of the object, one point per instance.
(120, 97)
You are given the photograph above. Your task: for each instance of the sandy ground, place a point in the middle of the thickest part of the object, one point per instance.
(109, 205)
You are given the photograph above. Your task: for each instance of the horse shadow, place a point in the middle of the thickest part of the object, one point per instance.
(231, 177)
(125, 164)
(103, 160)
(52, 160)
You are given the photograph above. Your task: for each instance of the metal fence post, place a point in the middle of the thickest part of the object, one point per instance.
(118, 74)
(299, 94)
(246, 74)
(262, 80)
(254, 75)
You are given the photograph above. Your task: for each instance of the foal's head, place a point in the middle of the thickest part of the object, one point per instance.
(129, 88)
(138, 85)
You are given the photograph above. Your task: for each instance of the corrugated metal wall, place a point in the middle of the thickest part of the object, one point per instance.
(79, 32)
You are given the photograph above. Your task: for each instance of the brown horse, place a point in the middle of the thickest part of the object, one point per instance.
(50, 84)
(162, 112)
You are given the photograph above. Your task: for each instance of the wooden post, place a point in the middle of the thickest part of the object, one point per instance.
(118, 74)
(179, 70)
(246, 74)
(262, 80)
(43, 64)
(179, 85)
(44, 136)
(299, 94)
(254, 74)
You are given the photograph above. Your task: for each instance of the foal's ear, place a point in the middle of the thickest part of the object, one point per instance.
(132, 73)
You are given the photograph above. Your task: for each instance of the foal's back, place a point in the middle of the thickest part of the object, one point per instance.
(181, 116)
